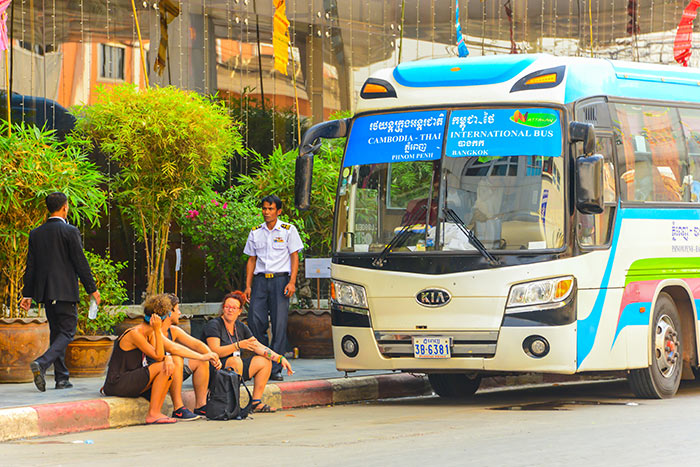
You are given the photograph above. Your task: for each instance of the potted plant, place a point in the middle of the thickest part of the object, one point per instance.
(91, 349)
(33, 163)
(169, 145)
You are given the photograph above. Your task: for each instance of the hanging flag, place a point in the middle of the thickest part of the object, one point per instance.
(684, 35)
(4, 41)
(169, 10)
(461, 46)
(509, 14)
(633, 21)
(280, 36)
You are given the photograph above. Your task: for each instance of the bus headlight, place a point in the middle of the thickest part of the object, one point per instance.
(347, 294)
(540, 292)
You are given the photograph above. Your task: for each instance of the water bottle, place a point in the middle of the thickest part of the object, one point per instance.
(92, 313)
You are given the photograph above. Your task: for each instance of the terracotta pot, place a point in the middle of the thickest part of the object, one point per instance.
(89, 355)
(185, 325)
(119, 328)
(22, 340)
(310, 332)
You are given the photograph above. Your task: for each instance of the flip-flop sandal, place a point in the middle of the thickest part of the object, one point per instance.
(259, 407)
(162, 421)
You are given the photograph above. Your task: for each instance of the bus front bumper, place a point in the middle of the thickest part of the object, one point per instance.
(510, 353)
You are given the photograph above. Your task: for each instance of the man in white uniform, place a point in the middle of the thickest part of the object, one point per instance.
(271, 272)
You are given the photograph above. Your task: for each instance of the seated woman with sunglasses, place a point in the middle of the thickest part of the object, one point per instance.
(227, 336)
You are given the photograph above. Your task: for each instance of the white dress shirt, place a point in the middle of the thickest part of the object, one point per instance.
(273, 247)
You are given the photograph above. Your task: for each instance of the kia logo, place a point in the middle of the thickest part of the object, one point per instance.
(433, 297)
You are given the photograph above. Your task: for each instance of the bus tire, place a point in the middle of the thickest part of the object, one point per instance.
(661, 379)
(454, 384)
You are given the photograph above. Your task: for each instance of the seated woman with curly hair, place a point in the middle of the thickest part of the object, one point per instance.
(126, 375)
(227, 336)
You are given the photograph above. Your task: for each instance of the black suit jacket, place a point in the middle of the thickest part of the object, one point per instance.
(55, 261)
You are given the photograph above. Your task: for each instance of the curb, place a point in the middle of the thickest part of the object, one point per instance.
(113, 412)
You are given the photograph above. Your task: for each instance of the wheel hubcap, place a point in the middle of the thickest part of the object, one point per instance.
(666, 346)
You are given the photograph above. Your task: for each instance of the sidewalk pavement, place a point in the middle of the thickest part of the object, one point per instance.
(26, 394)
(25, 412)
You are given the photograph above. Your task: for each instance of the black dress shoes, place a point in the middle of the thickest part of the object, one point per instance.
(64, 384)
(277, 376)
(38, 373)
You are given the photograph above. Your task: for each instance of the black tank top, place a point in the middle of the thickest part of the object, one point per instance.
(123, 360)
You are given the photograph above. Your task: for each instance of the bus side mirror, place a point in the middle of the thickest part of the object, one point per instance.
(589, 184)
(310, 144)
(302, 181)
(584, 132)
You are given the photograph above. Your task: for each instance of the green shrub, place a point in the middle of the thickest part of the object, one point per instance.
(112, 292)
(33, 163)
(218, 224)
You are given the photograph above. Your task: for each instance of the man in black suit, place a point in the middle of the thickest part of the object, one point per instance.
(55, 261)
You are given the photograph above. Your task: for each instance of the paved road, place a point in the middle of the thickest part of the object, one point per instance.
(584, 424)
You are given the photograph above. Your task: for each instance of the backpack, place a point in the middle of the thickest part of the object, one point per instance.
(223, 401)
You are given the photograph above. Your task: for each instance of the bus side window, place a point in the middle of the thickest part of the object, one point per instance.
(652, 157)
(594, 230)
(690, 119)
(692, 182)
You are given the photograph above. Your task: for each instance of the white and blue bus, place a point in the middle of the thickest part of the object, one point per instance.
(520, 213)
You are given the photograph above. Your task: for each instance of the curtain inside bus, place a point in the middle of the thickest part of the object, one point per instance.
(653, 160)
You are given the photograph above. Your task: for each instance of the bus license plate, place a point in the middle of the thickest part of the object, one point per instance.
(431, 347)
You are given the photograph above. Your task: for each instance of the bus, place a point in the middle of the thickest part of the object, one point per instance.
(518, 213)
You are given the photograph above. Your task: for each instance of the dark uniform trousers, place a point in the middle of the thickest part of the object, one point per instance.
(63, 321)
(267, 295)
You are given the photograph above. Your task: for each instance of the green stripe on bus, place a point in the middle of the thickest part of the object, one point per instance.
(652, 269)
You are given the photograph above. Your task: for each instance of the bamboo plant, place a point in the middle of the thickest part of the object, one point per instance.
(169, 145)
(33, 163)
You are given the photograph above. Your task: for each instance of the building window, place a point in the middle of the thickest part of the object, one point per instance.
(111, 62)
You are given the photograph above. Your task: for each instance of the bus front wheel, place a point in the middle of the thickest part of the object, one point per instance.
(454, 384)
(662, 378)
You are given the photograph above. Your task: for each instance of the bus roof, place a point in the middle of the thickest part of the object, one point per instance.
(499, 78)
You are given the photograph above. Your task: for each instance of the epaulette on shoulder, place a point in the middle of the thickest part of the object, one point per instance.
(286, 226)
(256, 227)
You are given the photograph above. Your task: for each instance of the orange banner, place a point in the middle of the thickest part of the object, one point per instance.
(280, 36)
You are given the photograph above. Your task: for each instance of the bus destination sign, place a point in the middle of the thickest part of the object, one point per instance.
(504, 132)
(401, 137)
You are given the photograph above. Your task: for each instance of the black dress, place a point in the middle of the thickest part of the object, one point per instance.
(126, 375)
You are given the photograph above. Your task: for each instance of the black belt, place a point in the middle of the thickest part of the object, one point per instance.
(270, 275)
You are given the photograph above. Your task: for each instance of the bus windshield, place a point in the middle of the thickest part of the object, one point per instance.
(500, 170)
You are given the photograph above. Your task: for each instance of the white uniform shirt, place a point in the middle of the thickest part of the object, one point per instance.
(273, 247)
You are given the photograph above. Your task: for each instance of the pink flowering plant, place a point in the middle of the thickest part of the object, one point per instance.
(218, 224)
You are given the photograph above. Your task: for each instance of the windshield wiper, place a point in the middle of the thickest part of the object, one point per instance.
(452, 216)
(400, 236)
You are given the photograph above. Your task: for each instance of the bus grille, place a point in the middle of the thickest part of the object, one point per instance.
(397, 344)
